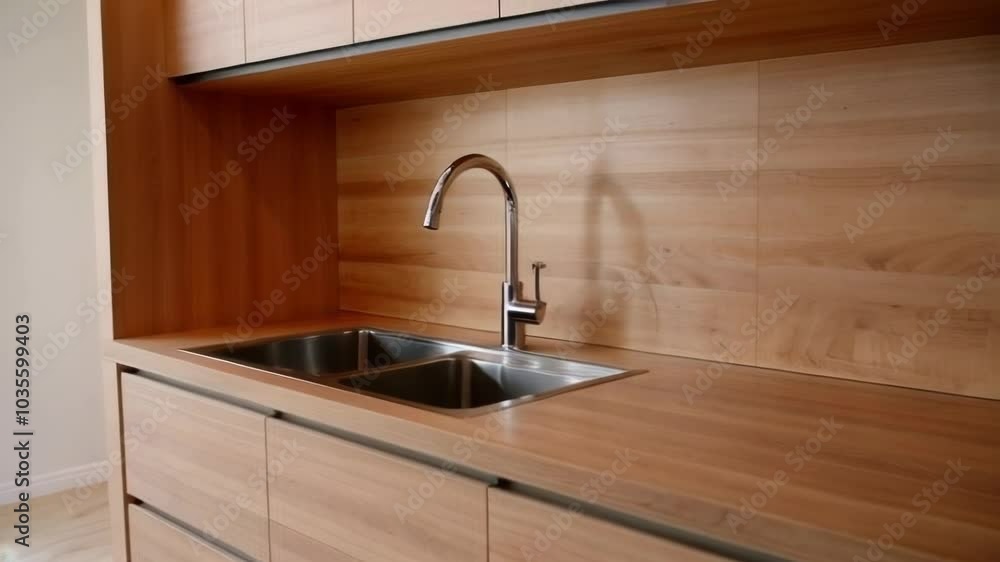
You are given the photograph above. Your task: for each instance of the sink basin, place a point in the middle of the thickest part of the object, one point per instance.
(327, 354)
(446, 377)
(462, 381)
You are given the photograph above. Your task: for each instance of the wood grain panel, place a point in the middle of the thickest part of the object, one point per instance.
(198, 460)
(877, 218)
(518, 7)
(156, 540)
(516, 523)
(721, 443)
(277, 28)
(171, 152)
(547, 49)
(378, 19)
(617, 183)
(359, 501)
(885, 105)
(290, 546)
(203, 35)
(596, 207)
(387, 163)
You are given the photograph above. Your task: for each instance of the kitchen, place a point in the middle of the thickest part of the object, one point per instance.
(745, 253)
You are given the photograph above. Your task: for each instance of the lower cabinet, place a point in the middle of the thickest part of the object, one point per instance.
(526, 529)
(153, 539)
(290, 546)
(198, 460)
(349, 502)
(242, 485)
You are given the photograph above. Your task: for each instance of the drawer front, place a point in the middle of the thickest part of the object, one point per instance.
(522, 528)
(200, 461)
(203, 35)
(153, 539)
(290, 546)
(518, 7)
(378, 19)
(277, 28)
(369, 505)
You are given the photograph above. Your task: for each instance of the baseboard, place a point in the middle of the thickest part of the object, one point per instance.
(55, 482)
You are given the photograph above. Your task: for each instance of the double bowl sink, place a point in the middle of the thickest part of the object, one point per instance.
(437, 375)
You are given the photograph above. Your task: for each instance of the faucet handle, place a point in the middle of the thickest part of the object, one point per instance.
(537, 268)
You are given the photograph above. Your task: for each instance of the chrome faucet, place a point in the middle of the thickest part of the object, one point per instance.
(516, 311)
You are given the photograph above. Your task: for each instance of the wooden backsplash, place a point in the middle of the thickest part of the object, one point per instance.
(710, 213)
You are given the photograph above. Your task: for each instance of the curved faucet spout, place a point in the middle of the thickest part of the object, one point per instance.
(516, 310)
(468, 162)
(432, 219)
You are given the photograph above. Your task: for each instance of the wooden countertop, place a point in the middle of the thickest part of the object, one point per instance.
(830, 464)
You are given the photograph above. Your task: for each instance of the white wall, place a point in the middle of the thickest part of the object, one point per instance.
(47, 257)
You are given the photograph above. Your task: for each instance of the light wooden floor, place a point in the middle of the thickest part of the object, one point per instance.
(58, 535)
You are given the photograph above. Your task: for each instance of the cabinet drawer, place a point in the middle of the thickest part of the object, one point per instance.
(517, 7)
(203, 35)
(154, 539)
(378, 19)
(290, 546)
(277, 28)
(200, 461)
(367, 505)
(520, 527)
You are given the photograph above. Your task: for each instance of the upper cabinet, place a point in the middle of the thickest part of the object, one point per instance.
(277, 28)
(203, 35)
(518, 7)
(378, 19)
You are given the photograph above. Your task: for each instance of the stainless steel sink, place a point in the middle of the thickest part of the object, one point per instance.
(437, 375)
(327, 354)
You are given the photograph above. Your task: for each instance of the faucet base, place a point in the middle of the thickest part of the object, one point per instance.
(517, 313)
